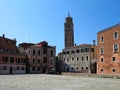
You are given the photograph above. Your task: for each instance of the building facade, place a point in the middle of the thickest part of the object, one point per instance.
(81, 58)
(11, 60)
(109, 51)
(40, 57)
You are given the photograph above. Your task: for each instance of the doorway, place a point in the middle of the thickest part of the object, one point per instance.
(11, 70)
(67, 69)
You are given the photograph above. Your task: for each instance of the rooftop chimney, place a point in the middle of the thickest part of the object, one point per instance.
(94, 42)
(3, 35)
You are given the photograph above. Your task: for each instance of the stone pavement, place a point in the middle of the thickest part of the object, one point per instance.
(56, 82)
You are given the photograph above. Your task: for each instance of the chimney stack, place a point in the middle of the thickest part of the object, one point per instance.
(94, 42)
(3, 35)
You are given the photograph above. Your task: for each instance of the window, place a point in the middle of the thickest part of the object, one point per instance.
(77, 51)
(68, 52)
(102, 39)
(12, 59)
(86, 68)
(113, 70)
(38, 68)
(33, 60)
(64, 59)
(33, 68)
(86, 58)
(102, 60)
(4, 68)
(77, 68)
(116, 35)
(52, 62)
(29, 51)
(72, 52)
(18, 60)
(92, 49)
(6, 41)
(38, 52)
(64, 53)
(113, 59)
(87, 49)
(101, 70)
(45, 60)
(116, 47)
(82, 68)
(52, 53)
(5, 59)
(38, 60)
(101, 50)
(18, 68)
(82, 58)
(33, 52)
(77, 59)
(67, 59)
(82, 50)
(23, 68)
(72, 58)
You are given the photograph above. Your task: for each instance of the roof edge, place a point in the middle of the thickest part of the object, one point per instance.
(109, 28)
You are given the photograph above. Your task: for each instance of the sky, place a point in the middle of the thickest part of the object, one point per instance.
(43, 20)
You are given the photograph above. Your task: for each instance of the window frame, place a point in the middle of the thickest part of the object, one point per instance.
(114, 35)
(114, 50)
(101, 50)
(102, 39)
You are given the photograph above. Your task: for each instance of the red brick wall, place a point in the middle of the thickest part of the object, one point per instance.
(107, 65)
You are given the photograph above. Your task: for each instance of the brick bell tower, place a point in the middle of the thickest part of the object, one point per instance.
(69, 32)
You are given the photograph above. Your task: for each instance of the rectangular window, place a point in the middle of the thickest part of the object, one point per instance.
(101, 50)
(33, 68)
(72, 51)
(45, 60)
(64, 53)
(4, 68)
(38, 68)
(87, 49)
(23, 68)
(67, 59)
(102, 39)
(116, 48)
(52, 52)
(86, 58)
(29, 51)
(102, 60)
(82, 58)
(33, 60)
(72, 58)
(38, 52)
(77, 51)
(68, 52)
(18, 68)
(77, 59)
(113, 59)
(12, 59)
(116, 35)
(33, 52)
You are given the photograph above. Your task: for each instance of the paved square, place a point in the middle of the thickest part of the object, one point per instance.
(56, 82)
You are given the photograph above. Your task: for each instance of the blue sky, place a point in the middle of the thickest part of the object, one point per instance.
(38, 20)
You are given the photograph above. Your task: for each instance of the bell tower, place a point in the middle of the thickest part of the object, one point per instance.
(69, 32)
